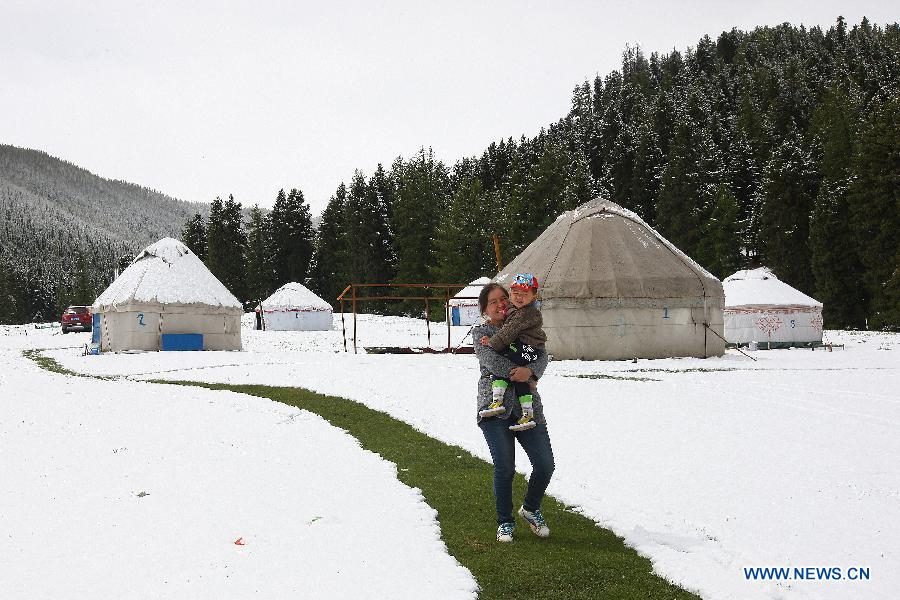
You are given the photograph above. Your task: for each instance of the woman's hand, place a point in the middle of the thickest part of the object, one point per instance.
(520, 374)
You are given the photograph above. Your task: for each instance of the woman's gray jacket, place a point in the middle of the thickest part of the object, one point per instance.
(494, 365)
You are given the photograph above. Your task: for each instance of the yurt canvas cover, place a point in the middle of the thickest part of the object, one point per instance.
(761, 308)
(167, 289)
(613, 288)
(464, 304)
(293, 307)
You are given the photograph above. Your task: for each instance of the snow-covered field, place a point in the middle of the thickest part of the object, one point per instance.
(705, 466)
(123, 489)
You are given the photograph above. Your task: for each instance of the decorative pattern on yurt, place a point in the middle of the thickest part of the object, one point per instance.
(761, 308)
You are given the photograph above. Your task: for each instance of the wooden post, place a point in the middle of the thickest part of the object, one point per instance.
(497, 252)
(427, 321)
(343, 325)
(447, 310)
(354, 318)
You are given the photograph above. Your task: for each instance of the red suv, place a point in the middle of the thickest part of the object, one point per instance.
(76, 317)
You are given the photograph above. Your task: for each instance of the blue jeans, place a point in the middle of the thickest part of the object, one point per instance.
(501, 442)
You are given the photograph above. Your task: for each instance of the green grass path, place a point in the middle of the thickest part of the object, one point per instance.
(579, 560)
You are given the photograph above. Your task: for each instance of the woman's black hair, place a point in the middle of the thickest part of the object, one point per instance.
(485, 292)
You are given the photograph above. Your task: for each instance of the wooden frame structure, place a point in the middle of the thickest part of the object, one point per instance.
(354, 298)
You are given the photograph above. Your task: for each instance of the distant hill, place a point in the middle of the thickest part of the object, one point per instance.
(67, 195)
(63, 230)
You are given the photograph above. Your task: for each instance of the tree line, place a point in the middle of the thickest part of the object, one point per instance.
(776, 147)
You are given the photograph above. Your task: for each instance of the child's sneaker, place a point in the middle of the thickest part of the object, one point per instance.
(505, 531)
(526, 422)
(493, 409)
(535, 521)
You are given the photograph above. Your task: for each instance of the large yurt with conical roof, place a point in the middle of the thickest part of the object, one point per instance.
(294, 307)
(168, 300)
(759, 307)
(611, 287)
(463, 306)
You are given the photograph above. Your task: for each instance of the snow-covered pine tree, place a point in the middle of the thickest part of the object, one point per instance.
(874, 202)
(719, 248)
(834, 252)
(367, 231)
(381, 192)
(194, 236)
(328, 271)
(260, 273)
(216, 240)
(789, 185)
(463, 241)
(292, 237)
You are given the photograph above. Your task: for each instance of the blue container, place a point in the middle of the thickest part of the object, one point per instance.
(454, 315)
(182, 341)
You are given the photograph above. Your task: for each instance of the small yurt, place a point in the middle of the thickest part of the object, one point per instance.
(293, 307)
(761, 308)
(612, 288)
(464, 305)
(168, 300)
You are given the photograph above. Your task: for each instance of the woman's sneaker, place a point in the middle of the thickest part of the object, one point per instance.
(535, 521)
(493, 409)
(505, 531)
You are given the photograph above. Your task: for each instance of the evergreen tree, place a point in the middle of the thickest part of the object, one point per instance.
(382, 192)
(328, 272)
(678, 206)
(648, 168)
(9, 311)
(788, 192)
(423, 186)
(719, 249)
(835, 263)
(194, 236)
(260, 274)
(874, 202)
(464, 238)
(226, 245)
(366, 228)
(126, 259)
(834, 253)
(292, 237)
(421, 198)
(216, 240)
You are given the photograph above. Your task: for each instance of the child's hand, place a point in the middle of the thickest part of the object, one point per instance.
(485, 340)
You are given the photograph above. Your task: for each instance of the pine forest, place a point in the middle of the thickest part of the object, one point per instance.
(778, 146)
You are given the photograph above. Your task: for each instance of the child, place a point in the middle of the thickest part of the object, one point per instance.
(521, 340)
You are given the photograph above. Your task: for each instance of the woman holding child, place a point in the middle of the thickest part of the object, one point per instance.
(510, 351)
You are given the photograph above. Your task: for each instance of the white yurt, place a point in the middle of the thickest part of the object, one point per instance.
(464, 305)
(613, 288)
(293, 307)
(761, 308)
(168, 300)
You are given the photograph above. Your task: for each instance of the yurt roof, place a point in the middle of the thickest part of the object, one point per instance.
(294, 296)
(760, 287)
(601, 250)
(468, 296)
(166, 272)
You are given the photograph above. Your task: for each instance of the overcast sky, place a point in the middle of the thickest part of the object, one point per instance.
(198, 100)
